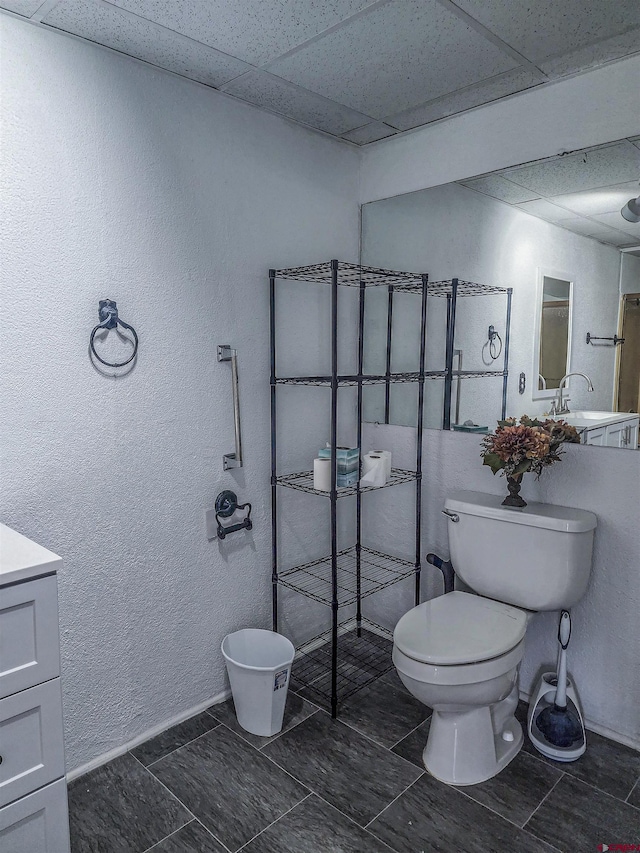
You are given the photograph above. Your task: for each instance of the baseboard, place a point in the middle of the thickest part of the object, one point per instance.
(147, 735)
(599, 729)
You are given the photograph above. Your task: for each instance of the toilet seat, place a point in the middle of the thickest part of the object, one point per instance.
(459, 629)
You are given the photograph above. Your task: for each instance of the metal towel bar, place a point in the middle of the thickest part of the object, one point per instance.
(233, 460)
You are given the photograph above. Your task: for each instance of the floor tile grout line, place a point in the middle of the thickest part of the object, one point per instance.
(377, 743)
(273, 822)
(551, 789)
(166, 787)
(599, 790)
(354, 822)
(414, 729)
(215, 837)
(285, 731)
(178, 748)
(375, 817)
(461, 790)
(273, 761)
(636, 785)
(171, 834)
(160, 782)
(564, 768)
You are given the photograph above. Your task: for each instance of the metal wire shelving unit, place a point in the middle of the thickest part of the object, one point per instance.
(353, 652)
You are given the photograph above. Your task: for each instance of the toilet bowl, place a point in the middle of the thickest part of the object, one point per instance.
(460, 653)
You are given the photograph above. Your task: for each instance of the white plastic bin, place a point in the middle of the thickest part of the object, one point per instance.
(259, 666)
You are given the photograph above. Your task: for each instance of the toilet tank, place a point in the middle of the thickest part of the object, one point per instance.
(538, 557)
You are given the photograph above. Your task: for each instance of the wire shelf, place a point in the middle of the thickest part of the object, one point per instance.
(393, 378)
(380, 379)
(377, 571)
(361, 660)
(303, 482)
(445, 288)
(475, 374)
(352, 275)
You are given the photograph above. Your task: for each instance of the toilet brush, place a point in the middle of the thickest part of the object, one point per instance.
(559, 723)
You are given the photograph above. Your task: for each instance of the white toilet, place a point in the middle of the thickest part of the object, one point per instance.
(460, 653)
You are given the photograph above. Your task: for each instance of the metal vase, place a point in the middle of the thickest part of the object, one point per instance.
(514, 484)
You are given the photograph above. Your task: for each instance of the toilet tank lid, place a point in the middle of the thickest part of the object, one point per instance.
(459, 628)
(563, 518)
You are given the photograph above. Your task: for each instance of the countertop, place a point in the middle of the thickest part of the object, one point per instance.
(21, 559)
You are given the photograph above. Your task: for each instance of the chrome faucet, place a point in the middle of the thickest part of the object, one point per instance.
(559, 406)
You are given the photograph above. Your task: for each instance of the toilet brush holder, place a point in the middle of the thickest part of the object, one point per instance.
(544, 697)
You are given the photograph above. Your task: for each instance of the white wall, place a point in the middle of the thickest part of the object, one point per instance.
(452, 231)
(605, 646)
(126, 182)
(629, 273)
(599, 106)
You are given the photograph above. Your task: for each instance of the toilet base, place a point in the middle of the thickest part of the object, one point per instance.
(470, 745)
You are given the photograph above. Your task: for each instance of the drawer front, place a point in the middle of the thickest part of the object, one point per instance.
(38, 823)
(29, 645)
(31, 740)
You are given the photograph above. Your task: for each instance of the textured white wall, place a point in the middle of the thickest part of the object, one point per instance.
(605, 646)
(630, 274)
(453, 231)
(126, 182)
(599, 106)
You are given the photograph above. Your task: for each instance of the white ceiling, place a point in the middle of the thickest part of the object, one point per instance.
(582, 191)
(357, 69)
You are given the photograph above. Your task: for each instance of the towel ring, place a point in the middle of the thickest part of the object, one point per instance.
(108, 314)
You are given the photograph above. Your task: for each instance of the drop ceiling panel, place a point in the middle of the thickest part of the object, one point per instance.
(616, 220)
(369, 133)
(603, 200)
(254, 31)
(112, 27)
(547, 28)
(280, 96)
(614, 164)
(498, 187)
(592, 55)
(546, 210)
(464, 99)
(21, 7)
(398, 55)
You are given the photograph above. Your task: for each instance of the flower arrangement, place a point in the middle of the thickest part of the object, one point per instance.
(531, 445)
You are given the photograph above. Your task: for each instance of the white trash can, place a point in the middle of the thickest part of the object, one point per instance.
(259, 666)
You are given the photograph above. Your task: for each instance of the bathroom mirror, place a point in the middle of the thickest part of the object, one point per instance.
(552, 334)
(552, 232)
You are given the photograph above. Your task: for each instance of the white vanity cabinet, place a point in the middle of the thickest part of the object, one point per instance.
(33, 792)
(619, 433)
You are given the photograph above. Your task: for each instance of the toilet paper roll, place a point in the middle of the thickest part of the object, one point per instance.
(386, 454)
(322, 475)
(374, 469)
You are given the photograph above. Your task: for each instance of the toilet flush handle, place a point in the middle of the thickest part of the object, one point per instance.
(452, 516)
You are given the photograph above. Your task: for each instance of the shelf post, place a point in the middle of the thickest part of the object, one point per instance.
(505, 378)
(334, 488)
(274, 489)
(387, 389)
(359, 445)
(421, 375)
(451, 331)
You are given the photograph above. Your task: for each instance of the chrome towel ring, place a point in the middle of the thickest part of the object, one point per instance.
(108, 314)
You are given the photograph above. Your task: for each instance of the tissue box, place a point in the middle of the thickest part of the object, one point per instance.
(348, 464)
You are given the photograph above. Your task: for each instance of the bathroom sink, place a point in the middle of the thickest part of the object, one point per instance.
(592, 419)
(594, 416)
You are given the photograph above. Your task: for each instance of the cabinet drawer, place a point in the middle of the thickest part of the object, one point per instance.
(29, 646)
(38, 823)
(31, 742)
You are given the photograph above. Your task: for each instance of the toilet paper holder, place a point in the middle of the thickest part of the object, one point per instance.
(226, 504)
